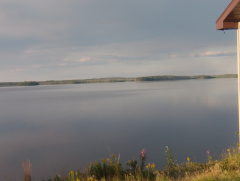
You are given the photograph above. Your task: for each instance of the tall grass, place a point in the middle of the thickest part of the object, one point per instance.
(110, 169)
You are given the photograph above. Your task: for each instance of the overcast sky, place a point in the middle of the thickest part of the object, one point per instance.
(78, 39)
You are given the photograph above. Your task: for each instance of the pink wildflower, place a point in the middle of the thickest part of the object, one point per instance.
(208, 152)
(143, 152)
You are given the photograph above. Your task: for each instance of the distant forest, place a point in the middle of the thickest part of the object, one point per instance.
(108, 80)
(172, 77)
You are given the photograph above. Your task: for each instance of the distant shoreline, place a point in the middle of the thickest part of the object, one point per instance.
(117, 79)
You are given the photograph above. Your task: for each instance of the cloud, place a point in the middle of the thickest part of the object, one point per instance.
(81, 60)
(62, 64)
(15, 70)
(36, 66)
(212, 54)
(85, 59)
(173, 56)
(33, 20)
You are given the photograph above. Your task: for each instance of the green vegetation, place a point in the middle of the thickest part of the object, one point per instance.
(172, 77)
(86, 81)
(25, 83)
(109, 80)
(110, 169)
(30, 83)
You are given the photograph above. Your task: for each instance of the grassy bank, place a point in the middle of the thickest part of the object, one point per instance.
(108, 169)
(109, 80)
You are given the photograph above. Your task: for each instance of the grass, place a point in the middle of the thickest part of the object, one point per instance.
(110, 169)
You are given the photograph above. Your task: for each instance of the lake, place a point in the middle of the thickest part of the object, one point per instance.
(64, 127)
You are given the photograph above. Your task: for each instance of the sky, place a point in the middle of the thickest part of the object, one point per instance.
(81, 39)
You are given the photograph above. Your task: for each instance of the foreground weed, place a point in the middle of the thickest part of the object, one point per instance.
(132, 168)
(230, 161)
(107, 169)
(143, 157)
(150, 172)
(171, 167)
(171, 163)
(27, 170)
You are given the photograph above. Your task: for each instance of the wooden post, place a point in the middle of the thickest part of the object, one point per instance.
(228, 20)
(238, 57)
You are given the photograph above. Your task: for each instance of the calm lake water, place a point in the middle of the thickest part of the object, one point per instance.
(64, 127)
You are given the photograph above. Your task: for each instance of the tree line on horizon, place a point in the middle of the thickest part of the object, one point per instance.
(109, 80)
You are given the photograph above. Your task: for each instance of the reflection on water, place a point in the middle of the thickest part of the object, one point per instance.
(64, 127)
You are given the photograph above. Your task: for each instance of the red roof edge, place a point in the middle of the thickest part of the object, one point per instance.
(220, 24)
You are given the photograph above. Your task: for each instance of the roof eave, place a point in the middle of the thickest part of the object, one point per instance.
(226, 25)
(221, 24)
